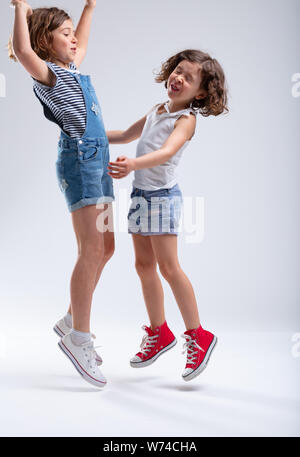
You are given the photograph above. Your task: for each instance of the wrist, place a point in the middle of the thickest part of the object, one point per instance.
(134, 164)
(20, 6)
(89, 7)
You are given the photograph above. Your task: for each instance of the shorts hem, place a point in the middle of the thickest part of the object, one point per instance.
(90, 201)
(152, 233)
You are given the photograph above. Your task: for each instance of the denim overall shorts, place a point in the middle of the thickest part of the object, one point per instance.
(81, 165)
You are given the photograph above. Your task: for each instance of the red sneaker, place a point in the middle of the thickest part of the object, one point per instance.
(199, 345)
(153, 345)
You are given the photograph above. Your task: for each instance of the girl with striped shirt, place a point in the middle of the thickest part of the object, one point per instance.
(46, 44)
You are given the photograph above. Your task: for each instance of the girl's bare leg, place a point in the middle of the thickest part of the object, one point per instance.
(145, 264)
(89, 264)
(109, 247)
(165, 251)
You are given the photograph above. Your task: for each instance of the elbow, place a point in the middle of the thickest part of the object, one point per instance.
(125, 137)
(167, 154)
(21, 50)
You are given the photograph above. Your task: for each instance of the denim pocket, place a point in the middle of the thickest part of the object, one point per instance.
(89, 153)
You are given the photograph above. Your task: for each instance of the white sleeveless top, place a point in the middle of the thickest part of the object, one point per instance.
(157, 129)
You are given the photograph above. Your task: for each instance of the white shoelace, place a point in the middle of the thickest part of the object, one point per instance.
(147, 342)
(90, 353)
(191, 347)
(95, 347)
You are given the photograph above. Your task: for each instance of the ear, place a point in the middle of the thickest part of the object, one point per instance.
(202, 94)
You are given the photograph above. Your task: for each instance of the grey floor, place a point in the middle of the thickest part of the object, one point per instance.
(250, 388)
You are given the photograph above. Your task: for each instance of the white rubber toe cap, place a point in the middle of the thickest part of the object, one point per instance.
(135, 359)
(187, 371)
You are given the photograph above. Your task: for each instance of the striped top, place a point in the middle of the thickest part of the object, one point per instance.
(65, 100)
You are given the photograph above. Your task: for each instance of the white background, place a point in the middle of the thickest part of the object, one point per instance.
(245, 271)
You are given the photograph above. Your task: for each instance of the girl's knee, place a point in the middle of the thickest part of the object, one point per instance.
(145, 268)
(92, 252)
(169, 270)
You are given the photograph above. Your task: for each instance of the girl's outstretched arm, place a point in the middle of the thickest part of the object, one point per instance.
(83, 31)
(35, 66)
(183, 131)
(126, 136)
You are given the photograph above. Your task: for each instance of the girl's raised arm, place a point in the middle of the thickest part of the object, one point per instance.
(35, 66)
(83, 31)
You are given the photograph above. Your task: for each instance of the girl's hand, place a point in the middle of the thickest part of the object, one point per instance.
(23, 5)
(91, 3)
(121, 168)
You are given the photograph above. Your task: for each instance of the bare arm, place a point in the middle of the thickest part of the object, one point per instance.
(183, 131)
(35, 66)
(83, 31)
(126, 136)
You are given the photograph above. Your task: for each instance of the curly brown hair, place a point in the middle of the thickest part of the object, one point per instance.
(212, 81)
(41, 23)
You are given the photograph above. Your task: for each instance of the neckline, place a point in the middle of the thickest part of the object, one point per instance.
(166, 106)
(66, 69)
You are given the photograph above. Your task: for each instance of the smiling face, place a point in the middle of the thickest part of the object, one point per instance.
(64, 42)
(184, 83)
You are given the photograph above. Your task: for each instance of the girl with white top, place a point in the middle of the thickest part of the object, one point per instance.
(195, 83)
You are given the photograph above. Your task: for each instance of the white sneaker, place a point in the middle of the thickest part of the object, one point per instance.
(62, 329)
(84, 360)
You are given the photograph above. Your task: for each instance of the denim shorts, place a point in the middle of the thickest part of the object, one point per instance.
(81, 170)
(155, 212)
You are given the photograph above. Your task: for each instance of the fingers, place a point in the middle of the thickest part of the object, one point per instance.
(117, 175)
(116, 166)
(117, 172)
(118, 169)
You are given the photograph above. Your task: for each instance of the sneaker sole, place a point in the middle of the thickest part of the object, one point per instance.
(60, 333)
(150, 361)
(204, 363)
(78, 367)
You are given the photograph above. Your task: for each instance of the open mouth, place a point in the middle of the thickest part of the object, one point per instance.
(73, 49)
(174, 88)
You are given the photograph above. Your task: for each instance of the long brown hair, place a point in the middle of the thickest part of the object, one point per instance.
(41, 23)
(212, 81)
